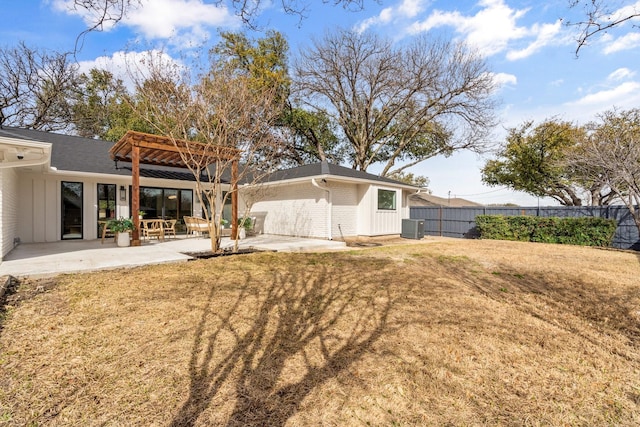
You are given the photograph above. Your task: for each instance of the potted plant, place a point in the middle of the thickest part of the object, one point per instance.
(141, 214)
(122, 227)
(246, 225)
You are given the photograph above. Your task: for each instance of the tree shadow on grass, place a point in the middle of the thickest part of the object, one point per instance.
(601, 307)
(305, 327)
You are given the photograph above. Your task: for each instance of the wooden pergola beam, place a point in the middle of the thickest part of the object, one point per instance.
(144, 148)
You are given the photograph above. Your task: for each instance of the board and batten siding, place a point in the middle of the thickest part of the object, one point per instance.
(39, 205)
(8, 210)
(40, 201)
(377, 222)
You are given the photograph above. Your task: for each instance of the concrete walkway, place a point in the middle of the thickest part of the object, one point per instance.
(48, 259)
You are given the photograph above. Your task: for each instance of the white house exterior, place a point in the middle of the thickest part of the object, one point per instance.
(331, 202)
(56, 187)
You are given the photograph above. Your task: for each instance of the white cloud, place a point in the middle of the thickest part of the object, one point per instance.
(410, 8)
(626, 42)
(546, 34)
(620, 96)
(625, 11)
(406, 9)
(128, 66)
(89, 16)
(493, 29)
(504, 79)
(621, 74)
(161, 19)
(183, 21)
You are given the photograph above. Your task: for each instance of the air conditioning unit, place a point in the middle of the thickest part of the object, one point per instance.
(412, 229)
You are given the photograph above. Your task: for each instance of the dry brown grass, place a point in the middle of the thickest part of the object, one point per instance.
(446, 333)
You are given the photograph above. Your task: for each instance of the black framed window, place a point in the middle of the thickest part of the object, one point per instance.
(72, 200)
(165, 203)
(386, 200)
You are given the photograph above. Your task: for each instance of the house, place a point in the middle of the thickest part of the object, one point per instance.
(57, 187)
(425, 199)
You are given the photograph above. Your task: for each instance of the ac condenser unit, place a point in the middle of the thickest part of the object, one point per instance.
(412, 229)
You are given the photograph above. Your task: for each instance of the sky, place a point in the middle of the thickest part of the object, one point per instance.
(526, 43)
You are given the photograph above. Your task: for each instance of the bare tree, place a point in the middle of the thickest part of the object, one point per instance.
(599, 17)
(35, 88)
(397, 104)
(230, 118)
(610, 153)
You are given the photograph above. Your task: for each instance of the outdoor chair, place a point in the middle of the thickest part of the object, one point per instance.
(105, 231)
(152, 228)
(169, 227)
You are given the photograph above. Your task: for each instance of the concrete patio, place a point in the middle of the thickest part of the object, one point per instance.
(48, 259)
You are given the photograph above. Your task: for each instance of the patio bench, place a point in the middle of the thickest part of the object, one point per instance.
(196, 225)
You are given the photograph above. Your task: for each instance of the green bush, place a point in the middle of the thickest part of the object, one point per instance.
(585, 231)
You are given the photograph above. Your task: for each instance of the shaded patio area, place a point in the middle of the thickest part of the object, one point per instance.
(48, 259)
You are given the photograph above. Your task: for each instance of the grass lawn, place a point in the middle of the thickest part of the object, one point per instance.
(453, 332)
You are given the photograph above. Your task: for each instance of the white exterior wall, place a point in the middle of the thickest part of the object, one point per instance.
(39, 203)
(8, 210)
(376, 222)
(344, 201)
(303, 210)
(293, 210)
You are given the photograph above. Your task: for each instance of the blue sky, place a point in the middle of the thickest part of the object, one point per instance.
(525, 43)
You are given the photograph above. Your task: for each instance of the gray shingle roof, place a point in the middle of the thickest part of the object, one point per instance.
(78, 154)
(325, 168)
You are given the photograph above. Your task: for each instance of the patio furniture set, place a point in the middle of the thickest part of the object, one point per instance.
(150, 228)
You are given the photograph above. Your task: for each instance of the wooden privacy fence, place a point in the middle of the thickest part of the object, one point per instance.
(460, 222)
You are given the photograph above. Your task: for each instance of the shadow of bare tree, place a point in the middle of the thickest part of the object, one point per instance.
(311, 323)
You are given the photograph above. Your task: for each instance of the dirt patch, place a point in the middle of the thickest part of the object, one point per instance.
(224, 252)
(373, 241)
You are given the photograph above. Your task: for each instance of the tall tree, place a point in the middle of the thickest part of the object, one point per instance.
(102, 107)
(221, 111)
(610, 151)
(311, 135)
(534, 160)
(397, 104)
(35, 86)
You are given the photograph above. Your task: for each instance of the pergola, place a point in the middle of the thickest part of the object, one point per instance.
(143, 148)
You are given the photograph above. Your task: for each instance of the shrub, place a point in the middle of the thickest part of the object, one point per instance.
(585, 231)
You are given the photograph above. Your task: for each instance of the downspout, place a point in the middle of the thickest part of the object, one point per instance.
(325, 188)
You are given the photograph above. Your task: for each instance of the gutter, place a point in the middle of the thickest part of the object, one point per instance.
(19, 153)
(329, 203)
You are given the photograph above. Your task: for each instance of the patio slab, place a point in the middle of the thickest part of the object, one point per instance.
(49, 259)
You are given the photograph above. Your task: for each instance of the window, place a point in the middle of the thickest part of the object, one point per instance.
(386, 200)
(71, 210)
(165, 203)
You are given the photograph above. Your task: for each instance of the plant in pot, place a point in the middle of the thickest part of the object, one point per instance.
(122, 227)
(245, 225)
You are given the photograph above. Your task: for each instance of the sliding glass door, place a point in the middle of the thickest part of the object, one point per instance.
(71, 210)
(166, 203)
